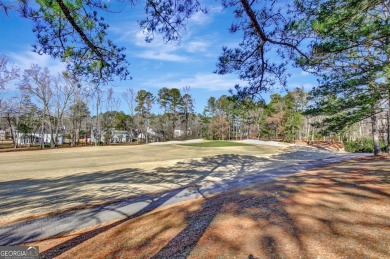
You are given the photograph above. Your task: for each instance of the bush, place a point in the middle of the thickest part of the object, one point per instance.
(363, 145)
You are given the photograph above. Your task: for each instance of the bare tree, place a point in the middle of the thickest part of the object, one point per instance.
(11, 109)
(8, 72)
(98, 97)
(77, 113)
(129, 97)
(38, 83)
(53, 94)
(64, 88)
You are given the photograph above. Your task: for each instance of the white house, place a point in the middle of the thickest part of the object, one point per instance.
(35, 138)
(152, 135)
(120, 136)
(182, 133)
(116, 136)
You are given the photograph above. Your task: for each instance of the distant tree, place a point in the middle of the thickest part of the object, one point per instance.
(11, 110)
(109, 117)
(53, 94)
(171, 102)
(220, 127)
(163, 100)
(29, 118)
(175, 103)
(294, 119)
(8, 72)
(204, 126)
(186, 109)
(97, 96)
(77, 113)
(63, 90)
(38, 83)
(144, 102)
(275, 114)
(129, 97)
(211, 107)
(248, 114)
(122, 121)
(209, 112)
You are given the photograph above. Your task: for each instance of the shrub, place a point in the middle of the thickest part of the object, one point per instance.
(362, 145)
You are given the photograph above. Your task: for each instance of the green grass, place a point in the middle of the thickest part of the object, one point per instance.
(218, 143)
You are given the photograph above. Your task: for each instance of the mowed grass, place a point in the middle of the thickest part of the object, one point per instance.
(217, 143)
(97, 175)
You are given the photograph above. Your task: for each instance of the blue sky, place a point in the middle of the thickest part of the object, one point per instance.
(152, 65)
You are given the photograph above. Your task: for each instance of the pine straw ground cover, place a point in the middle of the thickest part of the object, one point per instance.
(342, 210)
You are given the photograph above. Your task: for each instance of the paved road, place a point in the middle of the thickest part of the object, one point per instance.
(36, 229)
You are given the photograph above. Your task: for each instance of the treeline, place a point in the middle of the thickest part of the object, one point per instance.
(281, 118)
(51, 110)
(345, 44)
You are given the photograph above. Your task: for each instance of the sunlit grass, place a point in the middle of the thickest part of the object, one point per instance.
(217, 143)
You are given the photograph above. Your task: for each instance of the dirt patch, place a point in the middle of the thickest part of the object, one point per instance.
(325, 145)
(341, 210)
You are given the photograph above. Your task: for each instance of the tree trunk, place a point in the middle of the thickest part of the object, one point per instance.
(14, 141)
(97, 137)
(52, 136)
(375, 135)
(312, 134)
(173, 124)
(42, 144)
(388, 130)
(72, 138)
(388, 116)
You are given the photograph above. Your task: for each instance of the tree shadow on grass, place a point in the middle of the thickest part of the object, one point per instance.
(344, 208)
(36, 197)
(48, 193)
(275, 220)
(183, 174)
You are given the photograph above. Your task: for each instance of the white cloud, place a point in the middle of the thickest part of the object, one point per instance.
(157, 49)
(197, 46)
(211, 82)
(162, 56)
(200, 18)
(157, 42)
(25, 59)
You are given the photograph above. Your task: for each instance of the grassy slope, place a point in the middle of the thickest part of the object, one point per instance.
(341, 210)
(97, 175)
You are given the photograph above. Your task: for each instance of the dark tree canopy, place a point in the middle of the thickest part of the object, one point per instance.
(75, 32)
(168, 18)
(267, 27)
(351, 54)
(334, 34)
